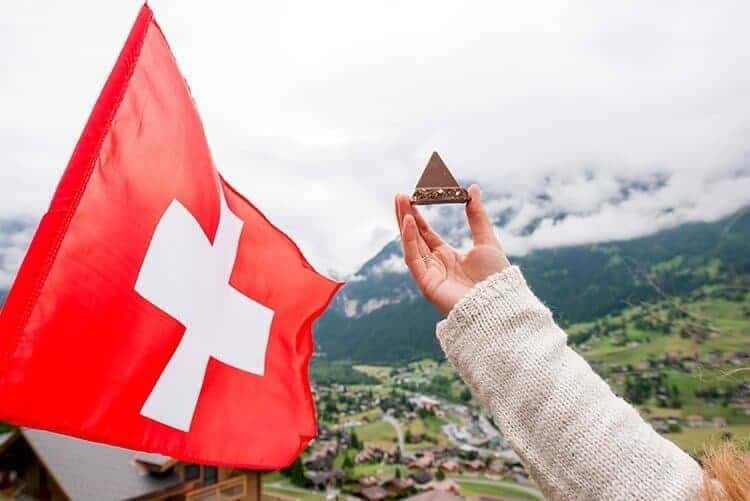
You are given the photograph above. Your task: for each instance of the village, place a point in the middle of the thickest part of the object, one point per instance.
(415, 429)
(389, 441)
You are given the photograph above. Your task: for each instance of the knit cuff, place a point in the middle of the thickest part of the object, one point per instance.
(500, 289)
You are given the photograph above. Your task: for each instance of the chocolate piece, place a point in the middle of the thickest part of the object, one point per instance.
(438, 186)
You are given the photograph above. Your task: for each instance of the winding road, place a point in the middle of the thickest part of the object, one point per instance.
(394, 422)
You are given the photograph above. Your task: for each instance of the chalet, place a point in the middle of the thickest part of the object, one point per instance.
(398, 487)
(443, 452)
(719, 422)
(319, 461)
(369, 455)
(374, 493)
(694, 421)
(426, 461)
(449, 465)
(421, 476)
(425, 402)
(473, 465)
(664, 424)
(368, 481)
(48, 466)
(496, 466)
(321, 480)
(447, 485)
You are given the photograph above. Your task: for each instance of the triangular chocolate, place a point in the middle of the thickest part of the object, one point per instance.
(436, 174)
(437, 185)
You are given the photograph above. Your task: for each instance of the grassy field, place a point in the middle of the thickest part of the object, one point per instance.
(276, 483)
(727, 317)
(695, 440)
(381, 372)
(429, 426)
(378, 433)
(381, 470)
(293, 492)
(505, 490)
(371, 415)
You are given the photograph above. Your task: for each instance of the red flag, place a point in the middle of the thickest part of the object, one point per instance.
(157, 309)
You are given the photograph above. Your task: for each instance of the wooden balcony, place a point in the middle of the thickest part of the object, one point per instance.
(232, 489)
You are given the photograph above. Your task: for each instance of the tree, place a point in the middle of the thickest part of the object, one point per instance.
(440, 475)
(356, 444)
(398, 472)
(296, 473)
(348, 464)
(675, 400)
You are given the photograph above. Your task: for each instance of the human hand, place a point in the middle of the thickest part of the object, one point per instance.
(444, 275)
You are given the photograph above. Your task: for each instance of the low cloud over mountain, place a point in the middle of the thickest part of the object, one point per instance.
(561, 209)
(14, 238)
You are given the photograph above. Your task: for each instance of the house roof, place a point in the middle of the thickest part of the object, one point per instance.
(87, 470)
(374, 493)
(155, 463)
(422, 476)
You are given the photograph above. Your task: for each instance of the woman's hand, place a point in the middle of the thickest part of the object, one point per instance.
(443, 275)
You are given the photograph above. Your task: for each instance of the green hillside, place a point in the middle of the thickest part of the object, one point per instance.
(580, 284)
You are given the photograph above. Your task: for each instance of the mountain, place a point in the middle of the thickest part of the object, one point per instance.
(379, 316)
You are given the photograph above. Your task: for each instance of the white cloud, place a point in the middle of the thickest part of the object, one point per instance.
(14, 238)
(375, 304)
(393, 264)
(342, 103)
(350, 307)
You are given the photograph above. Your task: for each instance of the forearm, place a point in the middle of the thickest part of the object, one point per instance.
(577, 438)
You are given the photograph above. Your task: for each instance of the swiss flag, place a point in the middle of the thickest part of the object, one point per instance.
(157, 309)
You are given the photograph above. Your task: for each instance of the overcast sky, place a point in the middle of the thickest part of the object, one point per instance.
(342, 102)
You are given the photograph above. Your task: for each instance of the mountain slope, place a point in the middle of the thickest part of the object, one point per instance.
(380, 317)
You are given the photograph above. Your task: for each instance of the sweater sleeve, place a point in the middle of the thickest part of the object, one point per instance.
(577, 438)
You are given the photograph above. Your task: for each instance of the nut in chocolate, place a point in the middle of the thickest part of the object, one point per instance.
(438, 186)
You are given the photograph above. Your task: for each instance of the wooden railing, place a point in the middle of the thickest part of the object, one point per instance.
(228, 490)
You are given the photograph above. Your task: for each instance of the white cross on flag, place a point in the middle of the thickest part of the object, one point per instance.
(157, 309)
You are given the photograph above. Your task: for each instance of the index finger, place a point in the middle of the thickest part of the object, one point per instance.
(403, 207)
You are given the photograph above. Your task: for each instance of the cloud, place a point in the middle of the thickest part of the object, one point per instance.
(393, 264)
(553, 109)
(600, 204)
(14, 238)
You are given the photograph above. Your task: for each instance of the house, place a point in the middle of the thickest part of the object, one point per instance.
(694, 421)
(496, 466)
(425, 402)
(398, 487)
(447, 485)
(321, 480)
(319, 462)
(374, 493)
(367, 481)
(369, 455)
(56, 467)
(473, 465)
(421, 476)
(719, 422)
(449, 465)
(426, 461)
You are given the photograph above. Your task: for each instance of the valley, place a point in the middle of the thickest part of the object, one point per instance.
(665, 320)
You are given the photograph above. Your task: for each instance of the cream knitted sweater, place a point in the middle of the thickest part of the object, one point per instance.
(577, 439)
